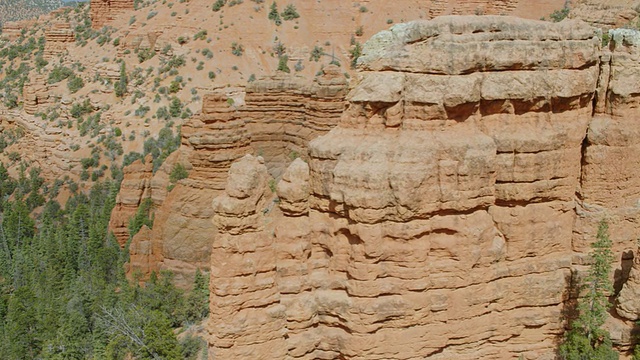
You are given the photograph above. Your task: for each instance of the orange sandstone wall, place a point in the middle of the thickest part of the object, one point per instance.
(105, 11)
(448, 212)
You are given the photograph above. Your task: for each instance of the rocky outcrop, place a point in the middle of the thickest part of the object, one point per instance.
(12, 30)
(606, 14)
(109, 71)
(439, 218)
(284, 113)
(45, 144)
(610, 188)
(135, 187)
(140, 40)
(145, 255)
(246, 295)
(627, 303)
(57, 38)
(274, 118)
(105, 11)
(35, 94)
(482, 7)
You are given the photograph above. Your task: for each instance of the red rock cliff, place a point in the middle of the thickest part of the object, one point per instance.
(275, 117)
(446, 214)
(105, 11)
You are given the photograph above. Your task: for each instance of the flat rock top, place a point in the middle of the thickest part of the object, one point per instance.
(475, 43)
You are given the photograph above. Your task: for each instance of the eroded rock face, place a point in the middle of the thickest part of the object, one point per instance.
(11, 30)
(57, 38)
(605, 14)
(244, 265)
(36, 94)
(274, 118)
(135, 187)
(104, 11)
(439, 214)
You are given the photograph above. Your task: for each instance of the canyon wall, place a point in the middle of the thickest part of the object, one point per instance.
(451, 209)
(275, 117)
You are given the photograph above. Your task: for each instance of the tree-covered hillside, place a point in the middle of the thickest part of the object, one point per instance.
(63, 293)
(12, 10)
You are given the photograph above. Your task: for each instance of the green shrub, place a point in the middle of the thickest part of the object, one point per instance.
(282, 64)
(174, 87)
(175, 108)
(208, 53)
(316, 53)
(218, 5)
(237, 49)
(178, 172)
(561, 14)
(290, 13)
(75, 83)
(58, 74)
(162, 113)
(274, 15)
(79, 109)
(354, 54)
(40, 62)
(145, 54)
(142, 111)
(200, 35)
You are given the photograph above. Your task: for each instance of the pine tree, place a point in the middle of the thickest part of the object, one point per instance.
(587, 339)
(120, 87)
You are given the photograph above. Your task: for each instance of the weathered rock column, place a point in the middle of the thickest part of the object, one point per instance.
(247, 320)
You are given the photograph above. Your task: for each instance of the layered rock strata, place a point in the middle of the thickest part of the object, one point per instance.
(284, 113)
(606, 14)
(519, 8)
(35, 93)
(46, 145)
(446, 213)
(57, 38)
(12, 30)
(135, 187)
(105, 11)
(274, 117)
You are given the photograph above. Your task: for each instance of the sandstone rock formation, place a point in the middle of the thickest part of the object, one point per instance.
(44, 145)
(12, 30)
(248, 297)
(105, 11)
(144, 254)
(36, 94)
(527, 9)
(446, 214)
(606, 14)
(135, 187)
(275, 118)
(57, 38)
(628, 301)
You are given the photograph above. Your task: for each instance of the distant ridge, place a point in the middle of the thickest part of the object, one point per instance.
(14, 10)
